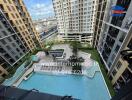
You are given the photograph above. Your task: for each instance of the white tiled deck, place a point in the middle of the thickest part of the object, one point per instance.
(87, 60)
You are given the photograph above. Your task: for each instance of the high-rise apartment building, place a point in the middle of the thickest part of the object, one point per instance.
(113, 33)
(17, 34)
(75, 19)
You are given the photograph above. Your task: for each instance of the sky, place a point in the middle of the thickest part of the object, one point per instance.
(39, 8)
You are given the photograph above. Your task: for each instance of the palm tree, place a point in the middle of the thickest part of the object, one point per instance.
(75, 46)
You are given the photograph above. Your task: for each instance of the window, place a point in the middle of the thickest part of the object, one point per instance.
(16, 57)
(113, 57)
(4, 33)
(3, 41)
(119, 64)
(109, 65)
(13, 15)
(12, 61)
(8, 47)
(20, 21)
(9, 39)
(17, 16)
(17, 22)
(5, 1)
(122, 36)
(13, 8)
(110, 77)
(8, 8)
(20, 28)
(130, 44)
(17, 49)
(114, 72)
(13, 44)
(117, 48)
(12, 52)
(20, 54)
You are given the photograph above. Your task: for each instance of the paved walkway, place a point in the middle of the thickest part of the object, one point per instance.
(66, 48)
(88, 62)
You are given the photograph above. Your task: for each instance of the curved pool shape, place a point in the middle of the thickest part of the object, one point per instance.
(80, 87)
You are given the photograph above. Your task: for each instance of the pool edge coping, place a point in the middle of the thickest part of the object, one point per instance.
(104, 81)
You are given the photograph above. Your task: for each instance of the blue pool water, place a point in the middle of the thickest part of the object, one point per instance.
(80, 87)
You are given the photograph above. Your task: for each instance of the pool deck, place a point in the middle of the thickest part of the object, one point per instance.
(24, 75)
(87, 64)
(64, 70)
(87, 60)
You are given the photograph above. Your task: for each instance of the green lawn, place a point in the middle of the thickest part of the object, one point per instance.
(95, 55)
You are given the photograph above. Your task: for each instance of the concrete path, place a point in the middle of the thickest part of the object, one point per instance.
(87, 60)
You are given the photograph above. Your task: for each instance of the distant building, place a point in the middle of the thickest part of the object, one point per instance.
(46, 27)
(75, 19)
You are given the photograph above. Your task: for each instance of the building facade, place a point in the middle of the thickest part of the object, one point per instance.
(17, 34)
(113, 33)
(75, 19)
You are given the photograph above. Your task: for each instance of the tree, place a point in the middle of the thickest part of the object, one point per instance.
(76, 62)
(75, 46)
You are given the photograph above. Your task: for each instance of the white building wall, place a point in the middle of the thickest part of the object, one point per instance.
(74, 16)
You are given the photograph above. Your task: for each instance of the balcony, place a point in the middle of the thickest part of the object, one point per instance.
(18, 42)
(104, 6)
(102, 15)
(113, 32)
(110, 42)
(2, 50)
(127, 75)
(6, 24)
(117, 20)
(11, 61)
(122, 37)
(21, 46)
(11, 22)
(120, 82)
(7, 56)
(105, 57)
(16, 30)
(130, 44)
(107, 50)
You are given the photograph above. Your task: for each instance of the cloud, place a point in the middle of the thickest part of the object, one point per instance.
(41, 10)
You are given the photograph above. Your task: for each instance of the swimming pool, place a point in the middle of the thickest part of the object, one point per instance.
(80, 87)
